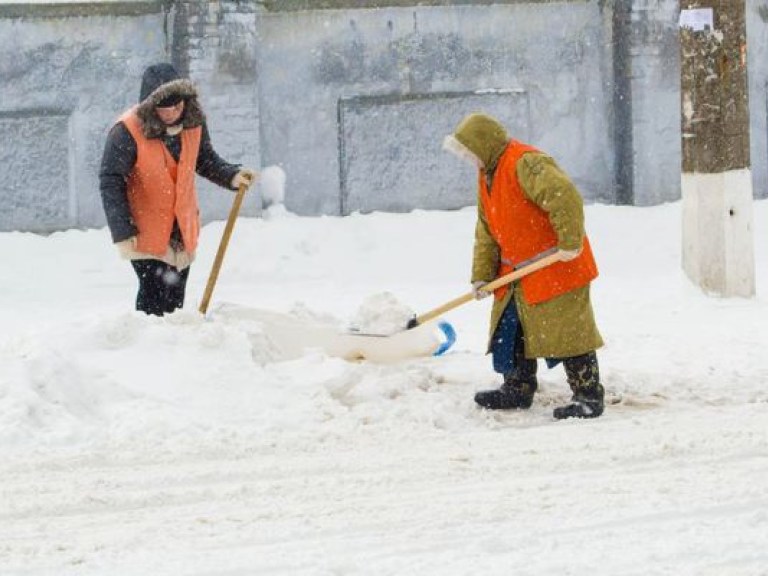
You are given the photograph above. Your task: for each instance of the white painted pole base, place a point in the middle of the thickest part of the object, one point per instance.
(718, 244)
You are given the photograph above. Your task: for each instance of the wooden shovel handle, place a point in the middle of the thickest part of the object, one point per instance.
(490, 287)
(213, 276)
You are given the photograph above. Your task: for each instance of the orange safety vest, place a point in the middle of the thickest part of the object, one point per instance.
(522, 230)
(161, 190)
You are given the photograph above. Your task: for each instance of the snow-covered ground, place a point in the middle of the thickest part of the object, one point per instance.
(133, 445)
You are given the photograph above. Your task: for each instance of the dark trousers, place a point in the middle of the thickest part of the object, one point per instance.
(161, 287)
(508, 347)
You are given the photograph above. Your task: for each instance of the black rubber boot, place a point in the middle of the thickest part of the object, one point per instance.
(519, 385)
(511, 395)
(579, 408)
(583, 376)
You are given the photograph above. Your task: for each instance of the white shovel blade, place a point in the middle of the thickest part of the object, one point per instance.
(289, 337)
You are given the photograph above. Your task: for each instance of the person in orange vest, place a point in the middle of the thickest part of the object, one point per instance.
(147, 183)
(528, 207)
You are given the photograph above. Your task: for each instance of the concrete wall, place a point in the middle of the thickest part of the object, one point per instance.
(352, 99)
(64, 78)
(652, 168)
(68, 71)
(355, 103)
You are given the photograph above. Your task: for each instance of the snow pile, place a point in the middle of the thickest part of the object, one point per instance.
(272, 190)
(381, 313)
(272, 186)
(236, 444)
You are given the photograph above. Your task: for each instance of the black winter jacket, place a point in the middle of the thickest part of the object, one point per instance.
(118, 161)
(160, 83)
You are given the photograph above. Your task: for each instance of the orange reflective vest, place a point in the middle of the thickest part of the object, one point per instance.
(161, 190)
(522, 230)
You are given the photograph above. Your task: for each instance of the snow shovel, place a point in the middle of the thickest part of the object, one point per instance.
(213, 276)
(538, 262)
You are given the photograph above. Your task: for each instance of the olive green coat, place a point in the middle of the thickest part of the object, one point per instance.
(564, 326)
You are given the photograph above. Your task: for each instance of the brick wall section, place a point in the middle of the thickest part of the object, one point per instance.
(215, 44)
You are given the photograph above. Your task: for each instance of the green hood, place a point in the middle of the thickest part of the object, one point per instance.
(484, 136)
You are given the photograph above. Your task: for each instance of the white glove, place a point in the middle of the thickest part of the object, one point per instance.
(183, 259)
(477, 290)
(245, 177)
(567, 255)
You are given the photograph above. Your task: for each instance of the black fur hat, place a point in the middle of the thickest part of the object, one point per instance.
(162, 83)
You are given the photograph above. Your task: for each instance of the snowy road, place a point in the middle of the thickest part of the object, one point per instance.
(638, 492)
(181, 447)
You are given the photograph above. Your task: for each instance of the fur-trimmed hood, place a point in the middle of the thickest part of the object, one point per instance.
(484, 136)
(159, 82)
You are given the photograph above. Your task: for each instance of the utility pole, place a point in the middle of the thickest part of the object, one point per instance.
(718, 251)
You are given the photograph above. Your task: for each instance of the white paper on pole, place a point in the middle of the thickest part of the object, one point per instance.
(697, 19)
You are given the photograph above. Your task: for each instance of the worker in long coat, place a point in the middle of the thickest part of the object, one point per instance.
(527, 208)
